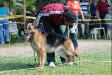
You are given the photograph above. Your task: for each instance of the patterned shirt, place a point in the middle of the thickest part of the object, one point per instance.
(84, 7)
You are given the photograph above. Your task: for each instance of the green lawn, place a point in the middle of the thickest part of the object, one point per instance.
(98, 63)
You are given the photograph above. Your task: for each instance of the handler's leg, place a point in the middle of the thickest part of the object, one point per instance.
(74, 39)
(51, 59)
(7, 35)
(50, 56)
(1, 35)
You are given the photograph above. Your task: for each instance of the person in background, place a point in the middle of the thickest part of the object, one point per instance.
(86, 12)
(4, 23)
(93, 8)
(102, 10)
(93, 24)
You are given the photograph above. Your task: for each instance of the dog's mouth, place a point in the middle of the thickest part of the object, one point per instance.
(29, 33)
(29, 36)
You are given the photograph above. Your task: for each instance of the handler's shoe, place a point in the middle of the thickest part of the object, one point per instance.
(52, 64)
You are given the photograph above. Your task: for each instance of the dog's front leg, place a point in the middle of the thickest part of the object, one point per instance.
(42, 53)
(38, 56)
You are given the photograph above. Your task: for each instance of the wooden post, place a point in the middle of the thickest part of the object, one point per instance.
(24, 17)
(24, 11)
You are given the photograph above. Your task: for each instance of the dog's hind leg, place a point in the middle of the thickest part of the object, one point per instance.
(70, 60)
(80, 60)
(77, 54)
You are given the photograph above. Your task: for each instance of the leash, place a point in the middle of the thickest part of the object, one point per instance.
(60, 35)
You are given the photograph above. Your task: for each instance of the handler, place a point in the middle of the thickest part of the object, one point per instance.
(73, 8)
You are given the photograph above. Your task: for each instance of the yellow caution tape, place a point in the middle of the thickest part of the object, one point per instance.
(30, 17)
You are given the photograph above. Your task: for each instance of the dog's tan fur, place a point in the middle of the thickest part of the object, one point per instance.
(38, 43)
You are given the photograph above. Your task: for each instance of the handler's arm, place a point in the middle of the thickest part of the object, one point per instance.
(80, 11)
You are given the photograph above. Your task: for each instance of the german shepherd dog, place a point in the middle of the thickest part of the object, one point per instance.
(42, 44)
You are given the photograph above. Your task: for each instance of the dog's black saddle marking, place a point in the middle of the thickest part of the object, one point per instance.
(54, 40)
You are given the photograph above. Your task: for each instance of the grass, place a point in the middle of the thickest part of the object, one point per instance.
(98, 63)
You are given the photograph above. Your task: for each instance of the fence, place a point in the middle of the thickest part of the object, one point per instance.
(13, 25)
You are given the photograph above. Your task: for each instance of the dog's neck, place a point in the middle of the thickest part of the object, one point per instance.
(32, 37)
(35, 34)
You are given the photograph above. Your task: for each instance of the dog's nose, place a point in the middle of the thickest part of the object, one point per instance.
(29, 28)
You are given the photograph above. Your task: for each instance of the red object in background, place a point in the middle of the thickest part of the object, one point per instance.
(53, 7)
(56, 17)
(102, 7)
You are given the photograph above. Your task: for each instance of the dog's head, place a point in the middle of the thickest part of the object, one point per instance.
(70, 50)
(30, 30)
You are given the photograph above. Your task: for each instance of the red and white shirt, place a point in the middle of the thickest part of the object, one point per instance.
(74, 6)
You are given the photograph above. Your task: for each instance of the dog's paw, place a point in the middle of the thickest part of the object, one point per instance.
(70, 63)
(40, 68)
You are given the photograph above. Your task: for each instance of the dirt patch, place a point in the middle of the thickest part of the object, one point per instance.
(94, 45)
(84, 46)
